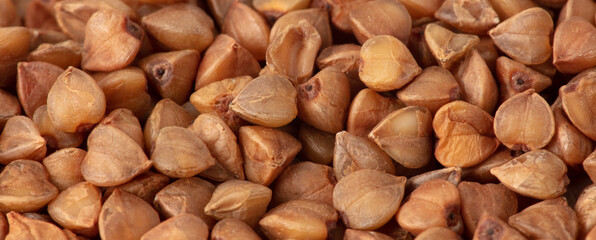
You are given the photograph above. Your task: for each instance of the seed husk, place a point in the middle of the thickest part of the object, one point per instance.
(181, 26)
(112, 41)
(239, 199)
(268, 101)
(465, 133)
(435, 203)
(324, 99)
(353, 153)
(367, 199)
(517, 120)
(64, 167)
(550, 214)
(538, 174)
(125, 216)
(21, 140)
(386, 64)
(172, 74)
(267, 152)
(75, 101)
(579, 103)
(248, 28)
(225, 58)
(299, 219)
(477, 16)
(113, 158)
(525, 37)
(187, 195)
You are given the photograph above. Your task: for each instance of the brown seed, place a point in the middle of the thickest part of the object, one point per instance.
(8, 13)
(3, 226)
(34, 80)
(160, 1)
(187, 195)
(125, 88)
(353, 153)
(144, 186)
(568, 143)
(292, 52)
(580, 8)
(340, 13)
(419, 48)
(493, 228)
(432, 89)
(172, 74)
(476, 16)
(10, 108)
(273, 9)
(344, 57)
(435, 203)
(124, 216)
(21, 140)
(22, 227)
(113, 158)
(299, 219)
(304, 180)
(367, 199)
(41, 36)
(165, 114)
(37, 15)
(318, 17)
(223, 146)
(487, 49)
(508, 8)
(185, 226)
(481, 172)
(367, 109)
(72, 15)
(584, 208)
(24, 186)
(525, 37)
(225, 58)
(591, 235)
(181, 26)
(579, 102)
(351, 234)
(124, 120)
(420, 9)
(64, 167)
(268, 101)
(544, 220)
(317, 146)
(476, 82)
(239, 199)
(324, 99)
(179, 153)
(515, 78)
(478, 199)
(589, 165)
(465, 134)
(219, 8)
(216, 97)
(386, 64)
(381, 17)
(446, 46)
(55, 138)
(75, 101)
(406, 136)
(112, 41)
(524, 122)
(538, 174)
(248, 28)
(63, 54)
(450, 174)
(14, 46)
(233, 229)
(438, 233)
(77, 208)
(267, 152)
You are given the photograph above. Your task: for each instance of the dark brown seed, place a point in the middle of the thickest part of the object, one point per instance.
(317, 146)
(10, 108)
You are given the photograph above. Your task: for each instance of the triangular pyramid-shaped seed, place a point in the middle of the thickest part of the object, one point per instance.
(573, 45)
(525, 37)
(515, 78)
(470, 16)
(447, 46)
